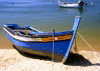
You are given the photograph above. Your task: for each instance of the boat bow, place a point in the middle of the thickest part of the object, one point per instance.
(75, 28)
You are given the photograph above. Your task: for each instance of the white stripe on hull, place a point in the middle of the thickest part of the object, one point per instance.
(23, 38)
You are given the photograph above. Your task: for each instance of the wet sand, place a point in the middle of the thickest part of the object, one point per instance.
(81, 45)
(12, 60)
(5, 43)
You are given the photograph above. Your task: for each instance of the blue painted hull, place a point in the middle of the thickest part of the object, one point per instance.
(59, 47)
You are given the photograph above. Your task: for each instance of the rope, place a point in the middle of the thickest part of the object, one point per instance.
(53, 48)
(86, 42)
(75, 47)
(53, 45)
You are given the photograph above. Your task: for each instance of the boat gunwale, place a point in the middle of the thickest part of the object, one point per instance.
(39, 39)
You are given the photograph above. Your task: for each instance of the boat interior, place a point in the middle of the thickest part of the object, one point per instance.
(29, 32)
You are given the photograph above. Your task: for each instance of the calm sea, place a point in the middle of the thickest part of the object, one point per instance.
(45, 15)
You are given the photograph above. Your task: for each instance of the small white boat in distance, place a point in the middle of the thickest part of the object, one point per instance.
(71, 5)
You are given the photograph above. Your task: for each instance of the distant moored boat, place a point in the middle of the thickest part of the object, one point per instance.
(70, 4)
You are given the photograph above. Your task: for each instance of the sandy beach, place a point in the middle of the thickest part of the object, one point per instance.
(45, 15)
(12, 60)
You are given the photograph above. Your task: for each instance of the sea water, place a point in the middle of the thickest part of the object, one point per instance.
(45, 15)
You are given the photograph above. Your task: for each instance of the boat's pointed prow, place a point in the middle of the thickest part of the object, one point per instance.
(75, 28)
(76, 22)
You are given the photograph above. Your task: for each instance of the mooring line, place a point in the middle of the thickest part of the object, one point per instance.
(75, 47)
(53, 31)
(86, 42)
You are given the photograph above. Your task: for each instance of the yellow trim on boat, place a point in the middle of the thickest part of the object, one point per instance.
(57, 38)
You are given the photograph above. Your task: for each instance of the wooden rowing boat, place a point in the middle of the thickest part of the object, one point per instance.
(33, 41)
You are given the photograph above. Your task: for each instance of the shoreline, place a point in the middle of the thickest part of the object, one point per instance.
(10, 46)
(6, 44)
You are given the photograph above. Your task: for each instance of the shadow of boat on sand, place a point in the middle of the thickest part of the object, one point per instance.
(73, 59)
